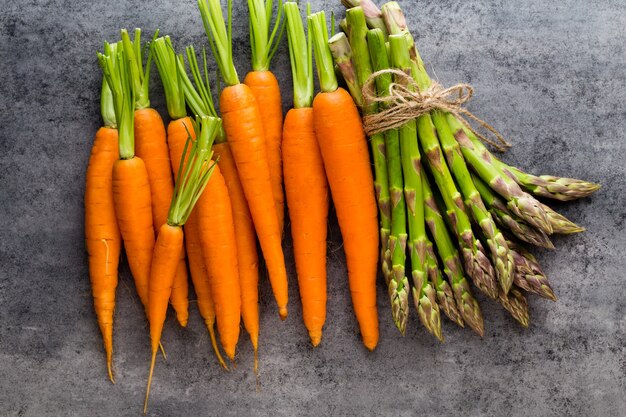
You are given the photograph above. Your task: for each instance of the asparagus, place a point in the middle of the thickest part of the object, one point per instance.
(373, 16)
(519, 202)
(372, 45)
(476, 263)
(465, 301)
(509, 220)
(516, 304)
(342, 54)
(501, 258)
(549, 186)
(561, 224)
(529, 275)
(445, 296)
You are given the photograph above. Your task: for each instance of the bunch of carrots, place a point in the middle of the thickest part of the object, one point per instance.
(193, 198)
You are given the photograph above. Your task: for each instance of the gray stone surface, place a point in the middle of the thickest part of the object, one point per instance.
(550, 75)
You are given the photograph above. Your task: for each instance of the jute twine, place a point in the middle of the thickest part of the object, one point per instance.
(404, 102)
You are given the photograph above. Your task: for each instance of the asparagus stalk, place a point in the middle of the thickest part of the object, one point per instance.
(398, 285)
(465, 301)
(509, 220)
(373, 15)
(476, 263)
(519, 202)
(342, 55)
(445, 296)
(560, 224)
(516, 304)
(549, 186)
(528, 273)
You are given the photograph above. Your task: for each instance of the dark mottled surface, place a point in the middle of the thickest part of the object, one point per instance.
(550, 75)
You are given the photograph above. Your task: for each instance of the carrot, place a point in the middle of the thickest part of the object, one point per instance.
(217, 235)
(200, 100)
(245, 135)
(151, 146)
(190, 185)
(346, 159)
(102, 236)
(264, 87)
(177, 132)
(131, 189)
(305, 181)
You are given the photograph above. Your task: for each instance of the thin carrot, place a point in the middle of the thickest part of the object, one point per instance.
(177, 132)
(151, 146)
(265, 39)
(244, 131)
(190, 184)
(346, 159)
(102, 236)
(305, 181)
(131, 189)
(200, 100)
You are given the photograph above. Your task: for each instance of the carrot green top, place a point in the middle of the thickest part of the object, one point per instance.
(220, 37)
(106, 105)
(323, 58)
(166, 62)
(115, 67)
(195, 174)
(140, 80)
(198, 97)
(262, 34)
(301, 57)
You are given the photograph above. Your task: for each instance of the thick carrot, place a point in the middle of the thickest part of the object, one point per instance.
(102, 236)
(131, 188)
(346, 159)
(200, 100)
(177, 132)
(217, 236)
(151, 146)
(264, 87)
(189, 188)
(244, 131)
(305, 181)
(245, 238)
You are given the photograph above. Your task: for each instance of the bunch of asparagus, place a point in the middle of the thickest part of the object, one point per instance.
(442, 195)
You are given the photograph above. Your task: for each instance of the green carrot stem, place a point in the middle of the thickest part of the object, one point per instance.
(167, 65)
(220, 37)
(106, 105)
(115, 67)
(194, 175)
(300, 55)
(323, 57)
(140, 79)
(263, 36)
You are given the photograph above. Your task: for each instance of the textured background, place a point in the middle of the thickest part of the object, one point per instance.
(550, 75)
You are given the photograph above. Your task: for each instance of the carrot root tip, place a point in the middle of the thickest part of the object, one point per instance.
(316, 338)
(282, 312)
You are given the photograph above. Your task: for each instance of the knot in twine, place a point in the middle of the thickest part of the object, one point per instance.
(404, 102)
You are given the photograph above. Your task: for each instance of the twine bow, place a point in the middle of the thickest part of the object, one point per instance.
(404, 102)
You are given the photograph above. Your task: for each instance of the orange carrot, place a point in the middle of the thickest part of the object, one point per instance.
(131, 189)
(264, 87)
(244, 131)
(102, 236)
(177, 132)
(200, 101)
(245, 238)
(189, 187)
(151, 146)
(217, 236)
(344, 150)
(305, 182)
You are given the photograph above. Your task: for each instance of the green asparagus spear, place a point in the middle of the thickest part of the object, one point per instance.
(516, 304)
(445, 296)
(465, 301)
(528, 273)
(560, 224)
(506, 219)
(373, 16)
